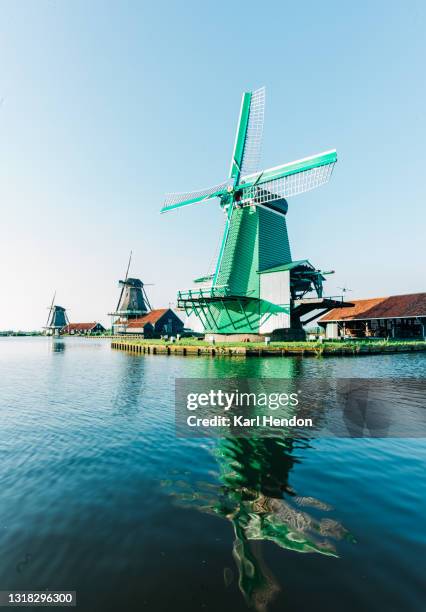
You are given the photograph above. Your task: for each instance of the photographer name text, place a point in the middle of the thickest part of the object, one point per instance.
(242, 421)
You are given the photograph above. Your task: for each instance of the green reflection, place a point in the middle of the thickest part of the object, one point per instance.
(254, 494)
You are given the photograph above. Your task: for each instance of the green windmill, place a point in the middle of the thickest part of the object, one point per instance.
(257, 288)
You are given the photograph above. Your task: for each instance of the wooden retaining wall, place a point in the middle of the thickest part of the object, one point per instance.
(176, 349)
(267, 351)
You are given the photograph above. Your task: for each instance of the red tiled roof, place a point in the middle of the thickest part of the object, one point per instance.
(395, 306)
(80, 326)
(151, 317)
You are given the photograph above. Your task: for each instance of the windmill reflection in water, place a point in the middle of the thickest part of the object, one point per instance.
(254, 494)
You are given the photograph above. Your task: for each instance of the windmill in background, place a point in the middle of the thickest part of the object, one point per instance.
(132, 303)
(56, 320)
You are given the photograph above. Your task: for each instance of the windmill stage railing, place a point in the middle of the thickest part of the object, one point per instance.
(334, 298)
(195, 295)
(127, 313)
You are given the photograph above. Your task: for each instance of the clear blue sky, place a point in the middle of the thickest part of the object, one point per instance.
(104, 106)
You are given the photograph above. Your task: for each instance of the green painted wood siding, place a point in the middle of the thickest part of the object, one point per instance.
(257, 240)
(240, 258)
(274, 246)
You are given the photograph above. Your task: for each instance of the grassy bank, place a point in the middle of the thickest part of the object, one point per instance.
(190, 346)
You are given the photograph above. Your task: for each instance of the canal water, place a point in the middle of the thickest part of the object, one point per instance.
(99, 496)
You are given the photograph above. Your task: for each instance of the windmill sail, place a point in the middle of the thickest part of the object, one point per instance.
(248, 139)
(177, 200)
(50, 309)
(254, 133)
(125, 280)
(245, 158)
(289, 179)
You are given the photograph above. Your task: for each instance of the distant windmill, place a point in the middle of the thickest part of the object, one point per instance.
(56, 320)
(256, 287)
(133, 301)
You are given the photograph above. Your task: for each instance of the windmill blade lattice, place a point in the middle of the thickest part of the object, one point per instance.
(287, 186)
(177, 200)
(254, 133)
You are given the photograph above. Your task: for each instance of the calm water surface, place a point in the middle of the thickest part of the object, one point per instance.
(99, 496)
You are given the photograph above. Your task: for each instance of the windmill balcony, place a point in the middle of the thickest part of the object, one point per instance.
(128, 313)
(219, 292)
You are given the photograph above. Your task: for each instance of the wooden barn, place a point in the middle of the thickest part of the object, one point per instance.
(83, 329)
(397, 316)
(156, 323)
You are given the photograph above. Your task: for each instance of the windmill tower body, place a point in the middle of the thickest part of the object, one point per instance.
(133, 301)
(57, 320)
(256, 288)
(248, 251)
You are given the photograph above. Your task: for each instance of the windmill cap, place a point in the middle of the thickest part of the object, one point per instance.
(131, 282)
(280, 205)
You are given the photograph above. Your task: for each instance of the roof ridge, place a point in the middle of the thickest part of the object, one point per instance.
(386, 297)
(406, 305)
